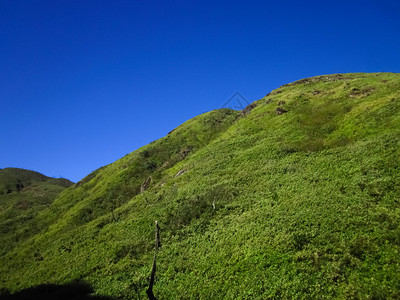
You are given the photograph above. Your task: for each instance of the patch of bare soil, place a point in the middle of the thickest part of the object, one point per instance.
(145, 184)
(23, 204)
(280, 111)
(361, 92)
(248, 108)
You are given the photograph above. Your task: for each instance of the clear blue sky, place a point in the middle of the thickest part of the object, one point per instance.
(82, 83)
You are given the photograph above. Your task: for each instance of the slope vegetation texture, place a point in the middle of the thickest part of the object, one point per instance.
(23, 194)
(295, 197)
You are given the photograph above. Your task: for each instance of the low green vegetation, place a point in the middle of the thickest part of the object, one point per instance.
(23, 194)
(296, 198)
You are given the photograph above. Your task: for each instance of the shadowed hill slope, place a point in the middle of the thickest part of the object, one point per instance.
(15, 180)
(295, 197)
(23, 194)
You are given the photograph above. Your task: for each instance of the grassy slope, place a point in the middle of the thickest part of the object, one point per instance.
(23, 194)
(261, 205)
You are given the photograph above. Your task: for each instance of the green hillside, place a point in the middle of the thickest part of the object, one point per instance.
(23, 194)
(295, 197)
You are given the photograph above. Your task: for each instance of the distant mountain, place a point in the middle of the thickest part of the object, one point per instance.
(294, 197)
(23, 195)
(15, 180)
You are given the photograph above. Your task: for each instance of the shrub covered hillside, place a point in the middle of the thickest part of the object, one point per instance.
(296, 197)
(23, 194)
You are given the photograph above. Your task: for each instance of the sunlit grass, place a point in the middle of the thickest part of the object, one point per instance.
(302, 204)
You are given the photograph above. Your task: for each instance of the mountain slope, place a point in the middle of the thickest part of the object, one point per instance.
(23, 194)
(295, 197)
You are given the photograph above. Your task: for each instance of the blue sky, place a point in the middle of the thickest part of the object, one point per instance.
(82, 83)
